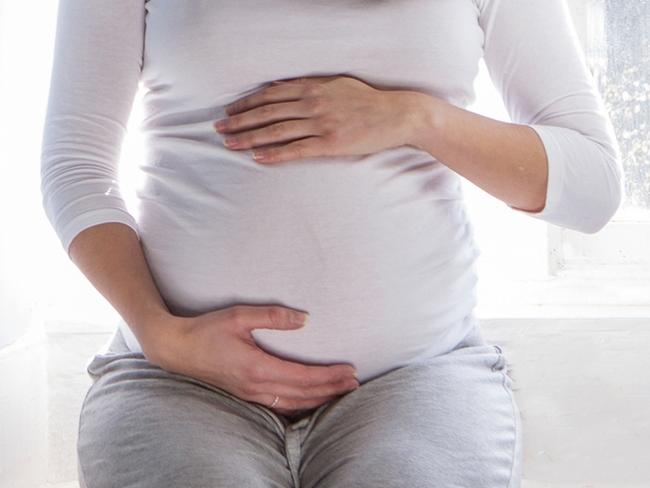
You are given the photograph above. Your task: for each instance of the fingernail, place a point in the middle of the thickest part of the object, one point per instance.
(301, 318)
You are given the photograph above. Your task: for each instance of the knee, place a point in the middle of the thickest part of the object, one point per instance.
(167, 437)
(155, 458)
(414, 464)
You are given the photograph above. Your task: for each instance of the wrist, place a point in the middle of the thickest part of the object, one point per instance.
(158, 334)
(425, 121)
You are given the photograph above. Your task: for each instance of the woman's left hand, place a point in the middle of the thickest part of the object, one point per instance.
(331, 116)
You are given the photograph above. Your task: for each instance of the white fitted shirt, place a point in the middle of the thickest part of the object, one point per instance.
(377, 248)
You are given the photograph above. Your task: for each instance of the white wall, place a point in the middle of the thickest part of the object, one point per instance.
(18, 157)
(25, 36)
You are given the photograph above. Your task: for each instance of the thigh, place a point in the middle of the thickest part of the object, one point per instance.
(141, 426)
(448, 421)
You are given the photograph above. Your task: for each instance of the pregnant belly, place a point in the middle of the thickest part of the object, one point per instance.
(386, 273)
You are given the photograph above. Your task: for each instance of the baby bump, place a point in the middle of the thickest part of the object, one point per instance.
(384, 281)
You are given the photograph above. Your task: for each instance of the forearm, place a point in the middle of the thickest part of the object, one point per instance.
(111, 257)
(506, 160)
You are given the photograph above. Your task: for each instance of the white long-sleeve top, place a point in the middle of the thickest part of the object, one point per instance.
(378, 248)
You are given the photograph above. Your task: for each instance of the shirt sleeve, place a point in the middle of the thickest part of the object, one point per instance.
(95, 74)
(535, 60)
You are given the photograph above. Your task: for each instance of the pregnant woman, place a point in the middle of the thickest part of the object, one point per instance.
(354, 218)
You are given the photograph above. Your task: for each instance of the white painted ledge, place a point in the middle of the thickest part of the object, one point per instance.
(572, 294)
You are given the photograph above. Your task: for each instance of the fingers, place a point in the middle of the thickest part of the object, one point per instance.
(281, 131)
(268, 368)
(288, 406)
(285, 390)
(279, 92)
(263, 115)
(299, 386)
(294, 394)
(248, 317)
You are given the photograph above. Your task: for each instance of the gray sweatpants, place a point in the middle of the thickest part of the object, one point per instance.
(448, 421)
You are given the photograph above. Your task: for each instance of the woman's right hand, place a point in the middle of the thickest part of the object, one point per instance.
(217, 347)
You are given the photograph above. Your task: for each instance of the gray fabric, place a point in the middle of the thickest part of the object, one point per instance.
(447, 421)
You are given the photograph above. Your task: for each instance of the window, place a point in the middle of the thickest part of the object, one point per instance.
(618, 48)
(615, 35)
(530, 268)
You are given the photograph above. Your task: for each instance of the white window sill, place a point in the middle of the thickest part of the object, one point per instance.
(596, 292)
